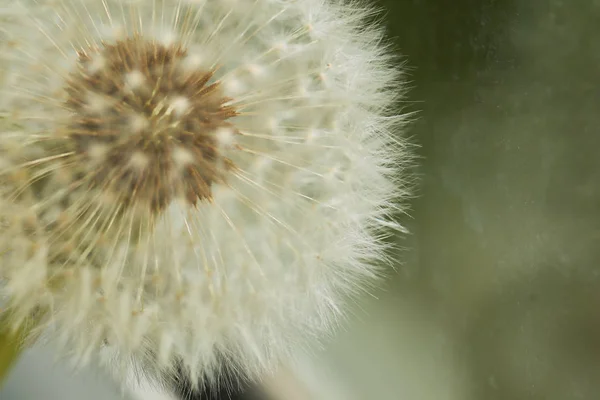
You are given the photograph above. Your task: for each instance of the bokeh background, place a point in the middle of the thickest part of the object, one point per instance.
(496, 293)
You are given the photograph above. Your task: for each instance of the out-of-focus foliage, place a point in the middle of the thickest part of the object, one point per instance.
(498, 293)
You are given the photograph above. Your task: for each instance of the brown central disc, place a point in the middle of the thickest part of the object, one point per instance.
(144, 123)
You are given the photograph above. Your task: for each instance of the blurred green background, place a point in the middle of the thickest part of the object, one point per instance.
(497, 292)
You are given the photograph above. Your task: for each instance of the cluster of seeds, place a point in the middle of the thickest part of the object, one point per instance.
(145, 123)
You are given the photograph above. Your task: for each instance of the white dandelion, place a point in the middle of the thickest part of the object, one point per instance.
(193, 183)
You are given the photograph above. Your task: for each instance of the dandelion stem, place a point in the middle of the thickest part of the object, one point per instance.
(11, 345)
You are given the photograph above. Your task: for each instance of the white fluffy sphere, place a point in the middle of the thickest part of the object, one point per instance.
(193, 183)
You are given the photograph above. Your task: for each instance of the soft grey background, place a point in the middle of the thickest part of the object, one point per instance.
(497, 295)
(39, 377)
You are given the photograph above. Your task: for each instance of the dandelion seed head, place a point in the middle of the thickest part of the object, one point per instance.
(190, 184)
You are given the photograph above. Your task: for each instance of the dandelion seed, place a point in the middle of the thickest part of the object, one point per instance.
(193, 183)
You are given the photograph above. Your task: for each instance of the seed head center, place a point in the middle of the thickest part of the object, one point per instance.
(143, 124)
